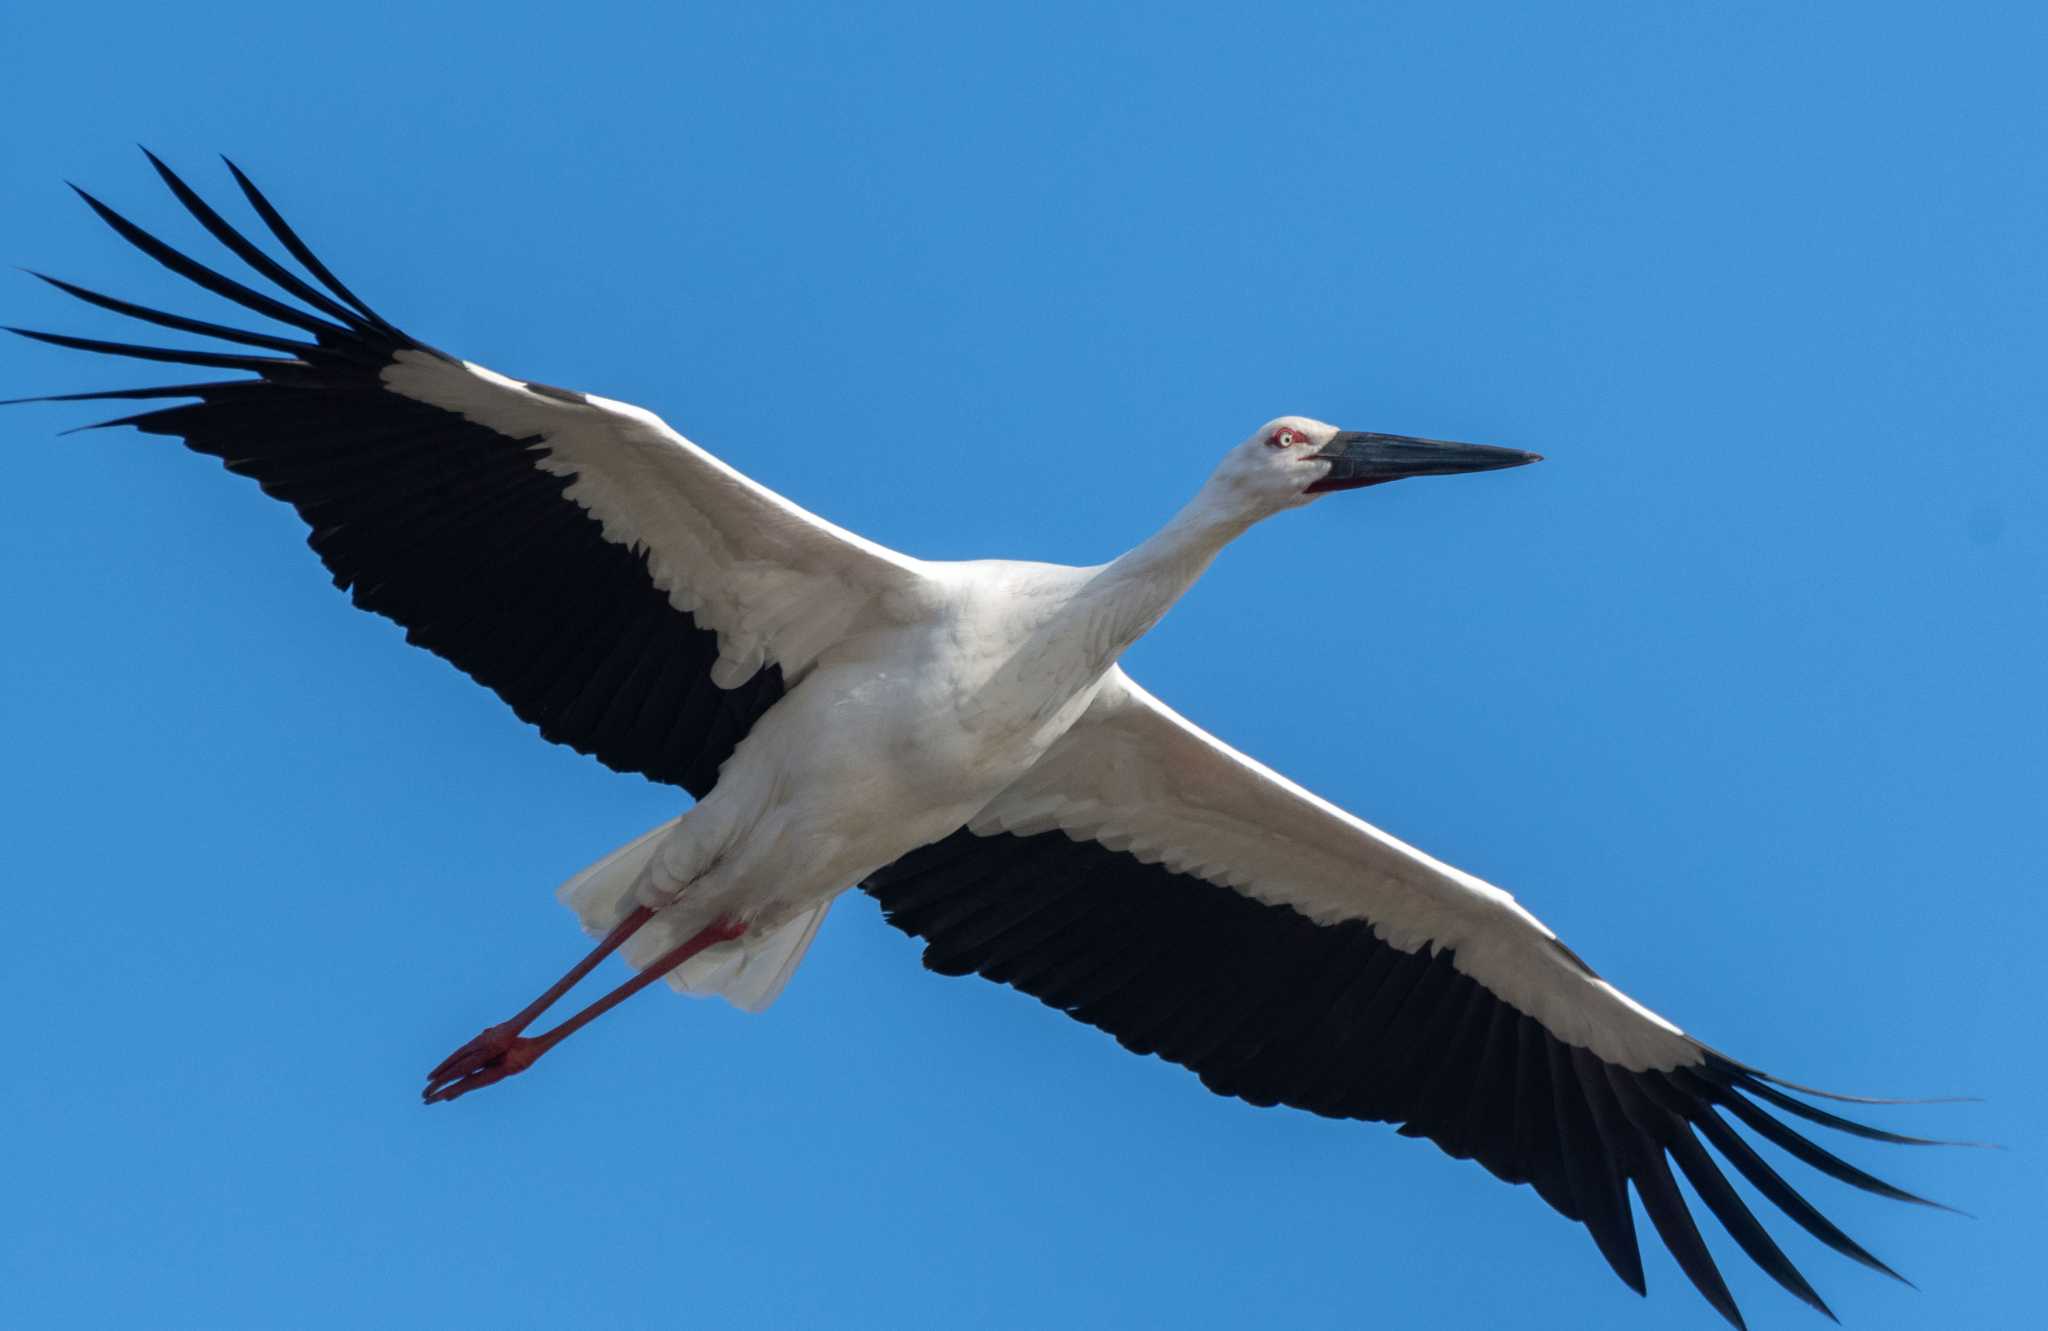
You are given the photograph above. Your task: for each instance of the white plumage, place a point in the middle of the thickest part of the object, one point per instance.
(959, 740)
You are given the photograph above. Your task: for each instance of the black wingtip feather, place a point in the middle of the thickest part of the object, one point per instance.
(1668, 1129)
(164, 319)
(1674, 1223)
(1764, 1087)
(246, 250)
(1811, 1154)
(299, 249)
(117, 422)
(109, 394)
(200, 275)
(1770, 1183)
(1592, 1099)
(1641, 1160)
(1720, 1062)
(171, 355)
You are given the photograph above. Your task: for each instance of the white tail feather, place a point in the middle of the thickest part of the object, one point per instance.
(750, 972)
(602, 895)
(764, 963)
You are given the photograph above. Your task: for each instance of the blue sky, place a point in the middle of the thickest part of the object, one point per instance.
(1740, 691)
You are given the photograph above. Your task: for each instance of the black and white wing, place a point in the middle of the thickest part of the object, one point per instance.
(624, 590)
(1149, 880)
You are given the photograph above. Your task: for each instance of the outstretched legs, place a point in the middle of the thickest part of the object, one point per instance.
(503, 1050)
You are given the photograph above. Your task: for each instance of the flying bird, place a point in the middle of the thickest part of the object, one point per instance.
(958, 740)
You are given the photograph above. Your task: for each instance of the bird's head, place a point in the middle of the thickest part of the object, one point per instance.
(1289, 461)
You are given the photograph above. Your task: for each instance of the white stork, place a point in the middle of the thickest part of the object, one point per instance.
(958, 740)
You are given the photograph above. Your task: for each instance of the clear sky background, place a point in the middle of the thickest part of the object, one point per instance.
(1741, 691)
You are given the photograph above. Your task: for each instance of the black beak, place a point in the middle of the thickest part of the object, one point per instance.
(1357, 459)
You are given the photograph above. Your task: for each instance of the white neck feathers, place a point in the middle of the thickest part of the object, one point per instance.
(1128, 596)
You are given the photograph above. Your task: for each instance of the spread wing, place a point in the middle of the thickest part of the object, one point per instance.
(1149, 880)
(621, 588)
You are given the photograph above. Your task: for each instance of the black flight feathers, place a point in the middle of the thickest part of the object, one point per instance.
(1267, 1005)
(441, 524)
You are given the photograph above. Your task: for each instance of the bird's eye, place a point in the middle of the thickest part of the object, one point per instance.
(1282, 438)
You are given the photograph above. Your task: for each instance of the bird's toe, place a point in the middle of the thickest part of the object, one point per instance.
(490, 1058)
(488, 1046)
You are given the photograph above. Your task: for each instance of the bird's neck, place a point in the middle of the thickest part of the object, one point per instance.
(1127, 597)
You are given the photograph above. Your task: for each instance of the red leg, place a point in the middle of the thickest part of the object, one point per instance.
(517, 1053)
(495, 1040)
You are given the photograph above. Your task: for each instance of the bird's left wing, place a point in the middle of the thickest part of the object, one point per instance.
(624, 590)
(1150, 880)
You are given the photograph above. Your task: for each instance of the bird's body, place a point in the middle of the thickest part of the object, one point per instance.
(958, 739)
(894, 739)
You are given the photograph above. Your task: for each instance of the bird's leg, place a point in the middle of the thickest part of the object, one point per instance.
(495, 1040)
(502, 1051)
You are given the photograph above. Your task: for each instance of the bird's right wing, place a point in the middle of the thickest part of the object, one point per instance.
(620, 587)
(1150, 880)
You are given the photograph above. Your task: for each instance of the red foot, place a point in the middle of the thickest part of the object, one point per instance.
(492, 1043)
(496, 1058)
(500, 1051)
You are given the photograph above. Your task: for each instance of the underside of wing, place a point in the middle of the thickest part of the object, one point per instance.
(624, 591)
(1290, 1000)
